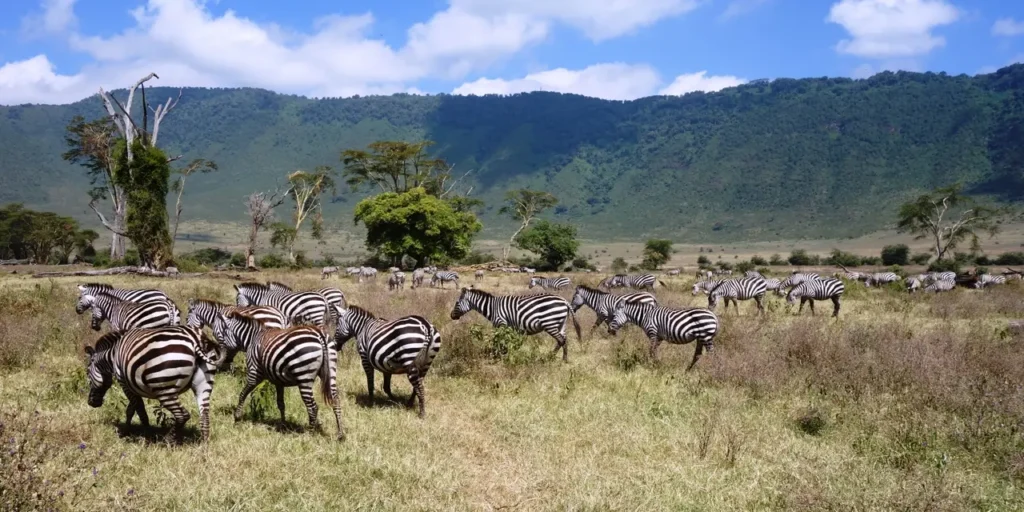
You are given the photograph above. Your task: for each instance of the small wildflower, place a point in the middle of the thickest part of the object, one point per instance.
(95, 471)
(81, 446)
(131, 492)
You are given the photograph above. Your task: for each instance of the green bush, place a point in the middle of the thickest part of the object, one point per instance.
(871, 260)
(582, 263)
(776, 260)
(799, 258)
(921, 258)
(844, 258)
(1010, 258)
(477, 258)
(273, 261)
(744, 266)
(898, 254)
(619, 265)
(237, 260)
(945, 266)
(759, 261)
(189, 265)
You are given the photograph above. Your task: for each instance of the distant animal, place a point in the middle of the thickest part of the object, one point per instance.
(705, 285)
(940, 285)
(881, 278)
(817, 289)
(444, 276)
(550, 283)
(478, 275)
(795, 279)
(985, 280)
(666, 324)
(417, 277)
(396, 281)
(636, 281)
(367, 273)
(328, 272)
(673, 272)
(733, 290)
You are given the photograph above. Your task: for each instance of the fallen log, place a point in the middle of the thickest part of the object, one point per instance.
(15, 262)
(141, 271)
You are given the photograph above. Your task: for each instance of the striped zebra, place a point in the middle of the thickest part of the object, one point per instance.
(550, 283)
(203, 313)
(444, 276)
(772, 284)
(529, 314)
(333, 296)
(393, 269)
(635, 281)
(940, 285)
(298, 307)
(705, 285)
(158, 364)
(404, 346)
(478, 275)
(328, 272)
(367, 273)
(666, 324)
(913, 284)
(882, 278)
(795, 279)
(985, 280)
(817, 289)
(417, 277)
(353, 271)
(673, 272)
(753, 273)
(294, 356)
(396, 281)
(125, 295)
(604, 303)
(734, 290)
(852, 275)
(124, 315)
(939, 276)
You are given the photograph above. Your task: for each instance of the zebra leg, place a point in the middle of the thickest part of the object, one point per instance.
(802, 302)
(369, 379)
(250, 384)
(387, 386)
(181, 417)
(280, 401)
(560, 343)
(696, 354)
(134, 404)
(835, 310)
(655, 343)
(811, 302)
(202, 387)
(759, 300)
(306, 391)
(417, 390)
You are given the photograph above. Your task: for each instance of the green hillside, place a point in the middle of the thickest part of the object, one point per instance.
(816, 157)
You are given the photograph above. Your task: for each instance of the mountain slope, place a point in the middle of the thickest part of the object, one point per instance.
(811, 157)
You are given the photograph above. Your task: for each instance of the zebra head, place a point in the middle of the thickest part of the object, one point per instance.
(463, 305)
(795, 293)
(85, 301)
(88, 301)
(619, 318)
(578, 300)
(97, 367)
(245, 295)
(534, 281)
(225, 329)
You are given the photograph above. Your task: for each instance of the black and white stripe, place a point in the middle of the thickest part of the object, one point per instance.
(298, 307)
(203, 313)
(444, 276)
(705, 285)
(396, 281)
(635, 281)
(817, 289)
(407, 345)
(772, 284)
(158, 364)
(604, 303)
(881, 278)
(795, 279)
(753, 273)
(367, 273)
(294, 356)
(666, 324)
(125, 295)
(941, 285)
(529, 314)
(333, 296)
(417, 277)
(985, 280)
(734, 290)
(550, 283)
(124, 315)
(328, 272)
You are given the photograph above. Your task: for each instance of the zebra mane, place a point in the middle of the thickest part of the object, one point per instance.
(206, 302)
(591, 289)
(251, 286)
(477, 291)
(278, 284)
(720, 283)
(358, 309)
(104, 343)
(98, 286)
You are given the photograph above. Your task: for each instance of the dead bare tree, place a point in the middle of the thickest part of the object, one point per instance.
(260, 208)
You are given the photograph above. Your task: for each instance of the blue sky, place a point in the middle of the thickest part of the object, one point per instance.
(59, 51)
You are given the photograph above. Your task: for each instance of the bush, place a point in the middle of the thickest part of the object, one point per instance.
(871, 260)
(300, 260)
(634, 268)
(724, 265)
(898, 254)
(189, 265)
(764, 271)
(619, 265)
(921, 258)
(945, 266)
(744, 266)
(703, 260)
(581, 263)
(812, 421)
(273, 261)
(776, 260)
(843, 258)
(210, 256)
(131, 257)
(799, 258)
(759, 261)
(983, 260)
(1010, 258)
(477, 258)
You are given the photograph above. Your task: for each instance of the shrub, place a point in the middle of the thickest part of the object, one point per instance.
(703, 260)
(945, 266)
(799, 258)
(237, 260)
(898, 254)
(210, 256)
(477, 258)
(921, 258)
(272, 261)
(872, 260)
(582, 263)
(1010, 258)
(811, 421)
(189, 265)
(844, 258)
(759, 261)
(300, 260)
(776, 260)
(744, 266)
(619, 264)
(724, 265)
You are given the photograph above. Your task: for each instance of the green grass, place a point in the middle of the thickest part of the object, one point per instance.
(904, 403)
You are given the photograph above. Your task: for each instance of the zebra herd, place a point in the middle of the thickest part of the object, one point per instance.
(807, 287)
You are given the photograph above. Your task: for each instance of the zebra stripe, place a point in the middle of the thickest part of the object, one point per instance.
(734, 290)
(772, 284)
(444, 276)
(529, 314)
(157, 364)
(367, 273)
(753, 273)
(396, 281)
(705, 285)
(604, 303)
(125, 295)
(988, 280)
(407, 345)
(294, 356)
(941, 285)
(881, 278)
(298, 307)
(795, 279)
(817, 289)
(333, 296)
(124, 315)
(203, 313)
(550, 283)
(672, 325)
(637, 281)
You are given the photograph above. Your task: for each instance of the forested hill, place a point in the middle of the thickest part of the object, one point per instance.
(810, 157)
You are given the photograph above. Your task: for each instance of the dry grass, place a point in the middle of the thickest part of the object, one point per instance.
(904, 403)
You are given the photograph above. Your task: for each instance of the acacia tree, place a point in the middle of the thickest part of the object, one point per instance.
(524, 205)
(657, 252)
(554, 243)
(948, 217)
(197, 165)
(399, 166)
(305, 190)
(92, 144)
(260, 208)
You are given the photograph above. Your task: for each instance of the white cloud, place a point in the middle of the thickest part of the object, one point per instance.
(741, 7)
(56, 16)
(891, 28)
(33, 81)
(613, 81)
(1008, 27)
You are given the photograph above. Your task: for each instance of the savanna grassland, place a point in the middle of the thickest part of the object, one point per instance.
(903, 403)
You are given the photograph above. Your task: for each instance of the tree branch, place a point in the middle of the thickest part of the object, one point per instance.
(112, 229)
(161, 112)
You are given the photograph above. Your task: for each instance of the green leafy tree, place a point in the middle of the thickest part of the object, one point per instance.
(524, 205)
(898, 254)
(305, 190)
(399, 166)
(554, 243)
(703, 261)
(619, 265)
(416, 224)
(145, 181)
(947, 217)
(799, 257)
(656, 253)
(198, 165)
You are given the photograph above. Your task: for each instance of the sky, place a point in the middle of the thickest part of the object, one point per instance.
(60, 51)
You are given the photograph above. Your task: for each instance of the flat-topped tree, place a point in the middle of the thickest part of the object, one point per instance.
(948, 217)
(305, 190)
(524, 205)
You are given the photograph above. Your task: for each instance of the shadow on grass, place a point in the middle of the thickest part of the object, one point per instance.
(380, 399)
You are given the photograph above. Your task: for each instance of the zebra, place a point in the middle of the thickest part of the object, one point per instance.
(529, 270)
(666, 324)
(298, 307)
(353, 271)
(203, 313)
(796, 278)
(723, 272)
(396, 281)
(529, 314)
(673, 272)
(367, 273)
(705, 285)
(294, 356)
(478, 275)
(817, 289)
(852, 275)
(125, 295)
(328, 272)
(637, 281)
(417, 277)
(407, 345)
(124, 315)
(734, 290)
(704, 273)
(604, 303)
(882, 278)
(393, 269)
(550, 283)
(988, 280)
(913, 284)
(940, 285)
(333, 296)
(943, 276)
(158, 364)
(753, 273)
(444, 276)
(772, 284)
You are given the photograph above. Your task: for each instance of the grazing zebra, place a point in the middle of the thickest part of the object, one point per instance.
(328, 272)
(753, 273)
(125, 295)
(734, 290)
(604, 303)
(637, 281)
(367, 273)
(444, 276)
(882, 278)
(478, 275)
(723, 272)
(124, 315)
(393, 269)
(988, 280)
(772, 284)
(550, 283)
(795, 279)
(817, 289)
(940, 285)
(203, 313)
(672, 325)
(298, 307)
(704, 273)
(529, 314)
(673, 272)
(353, 271)
(913, 284)
(294, 356)
(942, 276)
(705, 285)
(396, 281)
(158, 364)
(417, 277)
(852, 275)
(333, 296)
(529, 270)
(406, 345)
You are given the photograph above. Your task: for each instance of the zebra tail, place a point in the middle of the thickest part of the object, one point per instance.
(222, 353)
(423, 356)
(576, 326)
(328, 371)
(662, 283)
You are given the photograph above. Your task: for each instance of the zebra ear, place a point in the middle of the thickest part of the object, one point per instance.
(81, 288)
(89, 351)
(236, 288)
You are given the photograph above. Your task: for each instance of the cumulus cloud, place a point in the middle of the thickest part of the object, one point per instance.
(612, 81)
(1008, 27)
(891, 28)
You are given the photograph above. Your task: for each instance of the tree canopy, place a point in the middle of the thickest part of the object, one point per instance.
(947, 217)
(555, 243)
(656, 253)
(43, 237)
